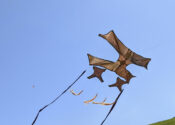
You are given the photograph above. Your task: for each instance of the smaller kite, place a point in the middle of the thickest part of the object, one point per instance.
(76, 94)
(119, 83)
(88, 101)
(33, 86)
(97, 73)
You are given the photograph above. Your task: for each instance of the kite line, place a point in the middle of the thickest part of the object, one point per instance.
(57, 97)
(116, 100)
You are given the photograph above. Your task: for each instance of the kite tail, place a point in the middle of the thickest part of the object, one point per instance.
(57, 98)
(112, 107)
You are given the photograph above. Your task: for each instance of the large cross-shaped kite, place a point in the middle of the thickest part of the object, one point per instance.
(126, 57)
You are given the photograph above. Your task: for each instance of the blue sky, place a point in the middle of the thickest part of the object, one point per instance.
(44, 43)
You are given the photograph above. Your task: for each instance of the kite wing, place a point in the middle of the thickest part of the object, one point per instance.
(128, 55)
(103, 63)
(97, 73)
(116, 67)
(123, 72)
(139, 60)
(119, 83)
(115, 42)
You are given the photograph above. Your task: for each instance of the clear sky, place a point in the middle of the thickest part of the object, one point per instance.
(44, 44)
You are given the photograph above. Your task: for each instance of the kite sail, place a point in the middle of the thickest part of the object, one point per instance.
(125, 53)
(116, 67)
(97, 73)
(119, 83)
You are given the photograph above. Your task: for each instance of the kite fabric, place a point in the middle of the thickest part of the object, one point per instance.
(116, 67)
(57, 97)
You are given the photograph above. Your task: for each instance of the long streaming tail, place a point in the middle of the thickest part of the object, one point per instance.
(56, 98)
(112, 107)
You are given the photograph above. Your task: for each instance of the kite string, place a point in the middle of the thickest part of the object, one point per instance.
(112, 107)
(57, 97)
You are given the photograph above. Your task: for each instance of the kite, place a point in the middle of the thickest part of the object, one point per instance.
(126, 57)
(97, 73)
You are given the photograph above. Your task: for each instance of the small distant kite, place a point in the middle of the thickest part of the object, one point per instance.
(126, 57)
(33, 86)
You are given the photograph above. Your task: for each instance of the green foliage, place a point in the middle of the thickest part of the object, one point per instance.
(166, 122)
